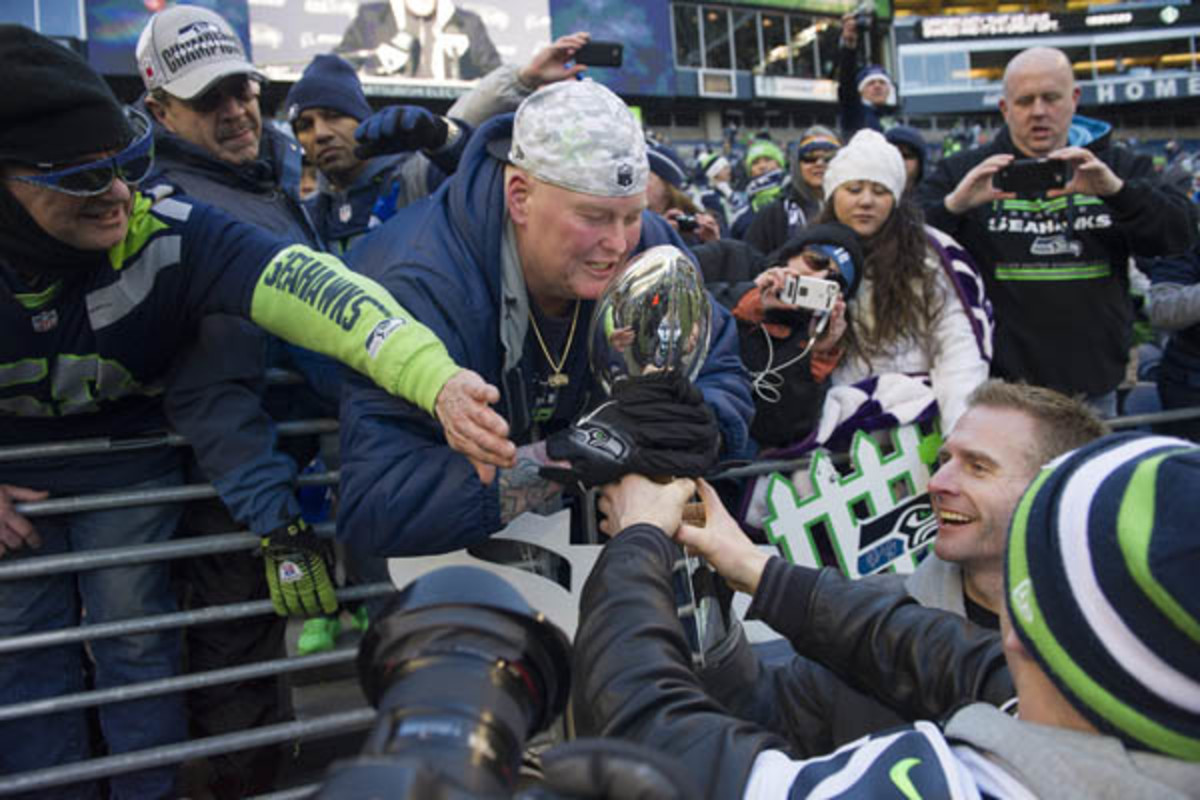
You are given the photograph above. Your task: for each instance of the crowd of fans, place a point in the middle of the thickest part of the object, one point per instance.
(156, 259)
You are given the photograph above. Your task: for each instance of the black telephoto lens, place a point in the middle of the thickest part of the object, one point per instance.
(462, 672)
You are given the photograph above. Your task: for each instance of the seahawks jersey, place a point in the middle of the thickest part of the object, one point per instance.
(86, 356)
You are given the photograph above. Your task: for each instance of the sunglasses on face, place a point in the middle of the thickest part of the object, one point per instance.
(239, 89)
(823, 159)
(818, 260)
(94, 178)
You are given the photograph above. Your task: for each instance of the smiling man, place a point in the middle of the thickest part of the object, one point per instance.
(1055, 263)
(1098, 637)
(506, 262)
(995, 449)
(101, 289)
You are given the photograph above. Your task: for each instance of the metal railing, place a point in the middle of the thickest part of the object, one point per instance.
(321, 726)
(80, 561)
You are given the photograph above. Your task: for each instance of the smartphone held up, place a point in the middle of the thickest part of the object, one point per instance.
(600, 54)
(1032, 177)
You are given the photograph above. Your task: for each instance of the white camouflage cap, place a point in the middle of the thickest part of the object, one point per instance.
(186, 49)
(580, 136)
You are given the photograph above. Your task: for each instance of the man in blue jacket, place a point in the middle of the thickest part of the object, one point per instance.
(100, 289)
(505, 262)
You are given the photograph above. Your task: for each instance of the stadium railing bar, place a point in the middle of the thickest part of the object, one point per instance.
(327, 725)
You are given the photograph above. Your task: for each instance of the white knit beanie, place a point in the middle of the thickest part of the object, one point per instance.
(714, 167)
(867, 157)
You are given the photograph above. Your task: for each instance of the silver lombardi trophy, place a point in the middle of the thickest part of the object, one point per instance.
(656, 318)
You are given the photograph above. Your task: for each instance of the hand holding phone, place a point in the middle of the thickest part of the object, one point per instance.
(816, 294)
(600, 54)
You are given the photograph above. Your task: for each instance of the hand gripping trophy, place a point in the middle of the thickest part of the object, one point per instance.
(647, 341)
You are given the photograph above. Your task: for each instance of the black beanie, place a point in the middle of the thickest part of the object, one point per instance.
(56, 107)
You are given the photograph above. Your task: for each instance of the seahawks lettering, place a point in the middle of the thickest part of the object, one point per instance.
(305, 276)
(1018, 224)
(199, 41)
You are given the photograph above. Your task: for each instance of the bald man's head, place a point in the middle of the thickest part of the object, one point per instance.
(1040, 98)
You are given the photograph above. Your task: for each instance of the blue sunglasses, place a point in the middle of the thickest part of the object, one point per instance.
(94, 178)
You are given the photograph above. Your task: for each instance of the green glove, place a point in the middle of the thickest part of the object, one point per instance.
(298, 566)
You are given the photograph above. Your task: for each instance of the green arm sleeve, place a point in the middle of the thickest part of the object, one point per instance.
(313, 300)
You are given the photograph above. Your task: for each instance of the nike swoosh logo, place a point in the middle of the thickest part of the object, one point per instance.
(899, 775)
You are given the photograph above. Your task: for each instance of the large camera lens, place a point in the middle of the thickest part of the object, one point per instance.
(463, 672)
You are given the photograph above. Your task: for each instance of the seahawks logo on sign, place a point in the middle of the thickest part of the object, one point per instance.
(380, 333)
(876, 517)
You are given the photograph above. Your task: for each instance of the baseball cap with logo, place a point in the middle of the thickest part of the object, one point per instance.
(186, 49)
(580, 136)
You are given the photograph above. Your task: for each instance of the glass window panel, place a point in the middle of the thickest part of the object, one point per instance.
(988, 67)
(21, 12)
(827, 41)
(687, 36)
(803, 33)
(745, 40)
(942, 70)
(1140, 58)
(716, 38)
(774, 37)
(912, 72)
(61, 18)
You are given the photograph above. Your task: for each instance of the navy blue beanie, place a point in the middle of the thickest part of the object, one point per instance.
(666, 164)
(902, 134)
(871, 72)
(328, 82)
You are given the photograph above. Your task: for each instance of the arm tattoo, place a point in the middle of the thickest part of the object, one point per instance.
(522, 489)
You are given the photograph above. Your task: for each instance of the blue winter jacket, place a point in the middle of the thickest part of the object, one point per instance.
(403, 490)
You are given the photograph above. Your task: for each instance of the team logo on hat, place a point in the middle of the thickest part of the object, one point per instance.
(625, 175)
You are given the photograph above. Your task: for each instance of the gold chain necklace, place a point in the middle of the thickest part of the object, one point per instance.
(557, 378)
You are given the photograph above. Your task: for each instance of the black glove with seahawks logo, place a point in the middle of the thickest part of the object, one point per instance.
(654, 425)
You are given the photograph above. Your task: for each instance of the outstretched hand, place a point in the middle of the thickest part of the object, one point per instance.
(16, 531)
(549, 65)
(400, 129)
(472, 428)
(723, 544)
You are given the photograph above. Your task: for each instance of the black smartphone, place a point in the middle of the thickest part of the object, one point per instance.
(600, 54)
(1032, 176)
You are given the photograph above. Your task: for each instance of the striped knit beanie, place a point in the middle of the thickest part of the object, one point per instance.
(1103, 586)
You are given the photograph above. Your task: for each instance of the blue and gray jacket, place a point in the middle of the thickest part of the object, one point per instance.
(86, 356)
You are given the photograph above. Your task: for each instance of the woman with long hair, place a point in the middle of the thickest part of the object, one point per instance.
(911, 315)
(772, 227)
